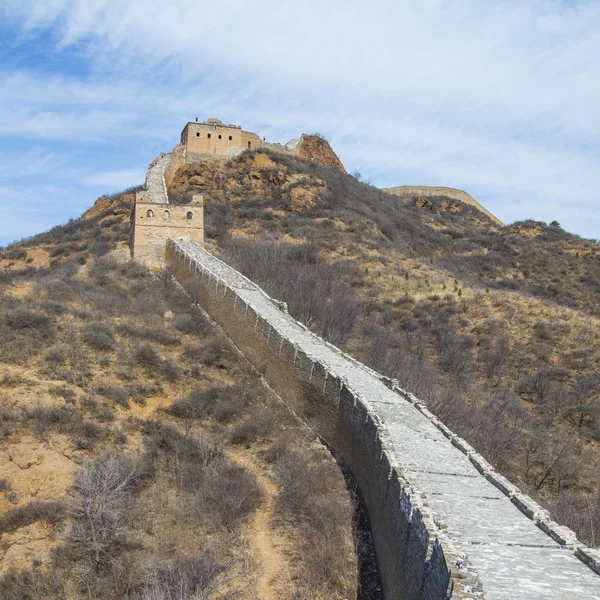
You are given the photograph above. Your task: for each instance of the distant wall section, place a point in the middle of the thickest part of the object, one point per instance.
(421, 191)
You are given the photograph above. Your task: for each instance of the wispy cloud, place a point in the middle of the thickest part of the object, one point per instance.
(115, 180)
(498, 98)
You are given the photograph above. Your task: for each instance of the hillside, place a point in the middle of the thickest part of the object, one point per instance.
(495, 328)
(140, 454)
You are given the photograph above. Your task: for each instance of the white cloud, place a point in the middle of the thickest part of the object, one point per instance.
(115, 180)
(499, 98)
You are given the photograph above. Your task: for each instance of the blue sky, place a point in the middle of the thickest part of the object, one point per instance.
(500, 98)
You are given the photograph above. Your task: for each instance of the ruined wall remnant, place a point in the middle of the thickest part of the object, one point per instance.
(439, 512)
(422, 191)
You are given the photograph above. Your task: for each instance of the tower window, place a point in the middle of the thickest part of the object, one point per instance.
(189, 216)
(197, 134)
(220, 137)
(249, 144)
(230, 137)
(166, 215)
(150, 214)
(208, 135)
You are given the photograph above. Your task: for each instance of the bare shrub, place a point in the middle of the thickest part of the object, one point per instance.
(253, 428)
(26, 319)
(116, 393)
(99, 507)
(311, 493)
(544, 331)
(456, 356)
(195, 404)
(62, 418)
(146, 356)
(31, 584)
(228, 494)
(313, 289)
(85, 434)
(171, 371)
(56, 354)
(50, 512)
(13, 252)
(182, 577)
(583, 400)
(159, 335)
(190, 323)
(230, 405)
(497, 425)
(216, 353)
(58, 290)
(187, 457)
(99, 336)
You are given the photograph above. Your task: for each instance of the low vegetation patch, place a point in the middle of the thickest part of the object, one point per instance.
(118, 388)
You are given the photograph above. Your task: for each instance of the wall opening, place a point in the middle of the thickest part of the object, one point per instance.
(197, 134)
(166, 215)
(249, 144)
(208, 135)
(220, 137)
(189, 216)
(150, 213)
(230, 137)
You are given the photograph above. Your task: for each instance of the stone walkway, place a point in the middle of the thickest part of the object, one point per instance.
(155, 180)
(514, 559)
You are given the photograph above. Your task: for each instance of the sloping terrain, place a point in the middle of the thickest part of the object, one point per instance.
(140, 455)
(496, 329)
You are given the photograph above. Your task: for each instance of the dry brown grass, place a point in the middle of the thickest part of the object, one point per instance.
(497, 329)
(111, 373)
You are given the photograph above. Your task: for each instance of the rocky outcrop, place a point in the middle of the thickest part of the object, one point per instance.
(318, 149)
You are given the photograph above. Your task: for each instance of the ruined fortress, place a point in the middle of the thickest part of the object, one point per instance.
(445, 524)
(212, 138)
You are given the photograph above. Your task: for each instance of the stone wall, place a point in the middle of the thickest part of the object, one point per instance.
(412, 564)
(422, 191)
(441, 516)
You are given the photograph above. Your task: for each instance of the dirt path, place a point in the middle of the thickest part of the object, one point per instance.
(261, 535)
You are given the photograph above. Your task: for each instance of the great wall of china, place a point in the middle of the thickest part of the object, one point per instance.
(444, 522)
(421, 191)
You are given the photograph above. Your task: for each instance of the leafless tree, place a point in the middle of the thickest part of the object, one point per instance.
(498, 423)
(553, 402)
(495, 358)
(584, 398)
(98, 506)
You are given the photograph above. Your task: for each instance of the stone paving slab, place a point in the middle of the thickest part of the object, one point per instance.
(515, 559)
